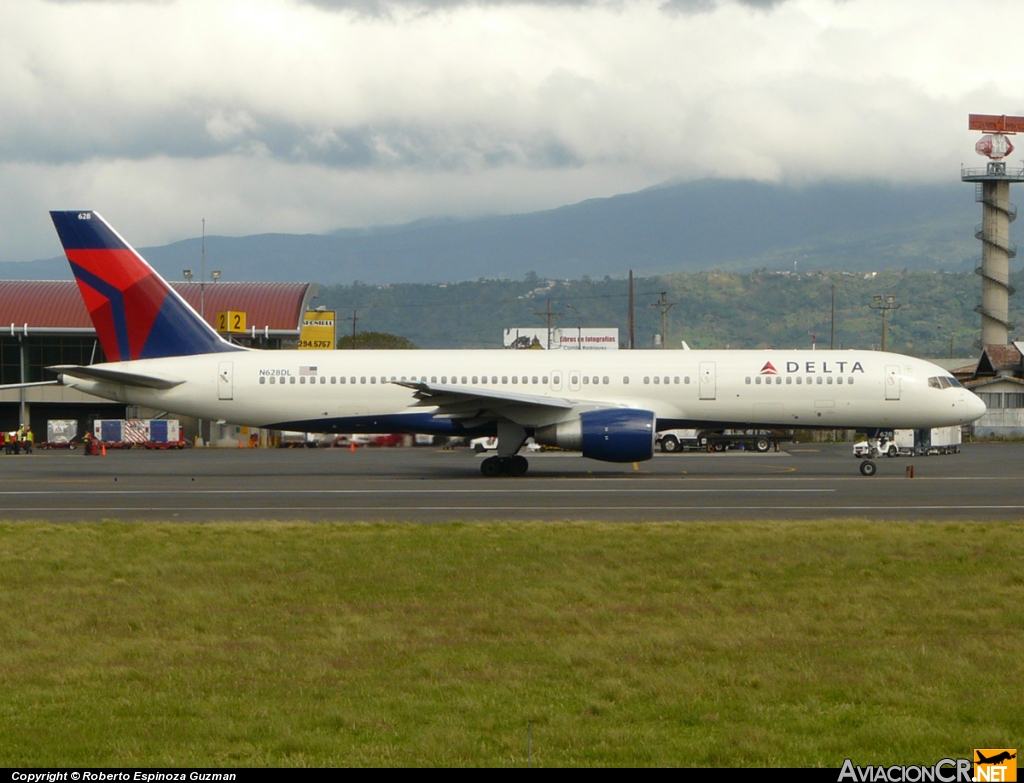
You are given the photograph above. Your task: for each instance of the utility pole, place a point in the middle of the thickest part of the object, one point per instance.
(832, 339)
(663, 307)
(579, 326)
(549, 316)
(884, 304)
(630, 322)
(354, 319)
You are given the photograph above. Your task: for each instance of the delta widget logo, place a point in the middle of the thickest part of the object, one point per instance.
(768, 369)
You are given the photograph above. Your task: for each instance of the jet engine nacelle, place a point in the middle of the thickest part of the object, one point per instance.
(610, 435)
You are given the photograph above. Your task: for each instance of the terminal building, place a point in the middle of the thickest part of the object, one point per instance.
(46, 324)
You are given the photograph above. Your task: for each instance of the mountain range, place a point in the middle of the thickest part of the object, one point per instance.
(727, 225)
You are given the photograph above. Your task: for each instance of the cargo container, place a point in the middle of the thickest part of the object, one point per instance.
(60, 434)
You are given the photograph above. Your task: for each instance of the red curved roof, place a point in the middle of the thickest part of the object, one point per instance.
(57, 304)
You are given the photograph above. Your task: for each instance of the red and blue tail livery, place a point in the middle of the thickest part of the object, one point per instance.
(136, 314)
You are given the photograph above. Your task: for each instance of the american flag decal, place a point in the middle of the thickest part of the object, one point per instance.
(307, 370)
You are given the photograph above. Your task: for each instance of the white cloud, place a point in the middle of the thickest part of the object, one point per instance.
(285, 115)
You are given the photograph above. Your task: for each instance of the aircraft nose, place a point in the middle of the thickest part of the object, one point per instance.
(975, 407)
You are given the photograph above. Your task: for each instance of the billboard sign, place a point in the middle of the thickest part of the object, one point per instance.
(318, 331)
(566, 339)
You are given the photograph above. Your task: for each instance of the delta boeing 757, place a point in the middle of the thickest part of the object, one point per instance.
(608, 405)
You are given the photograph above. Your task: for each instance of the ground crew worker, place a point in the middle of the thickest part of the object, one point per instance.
(28, 439)
(19, 436)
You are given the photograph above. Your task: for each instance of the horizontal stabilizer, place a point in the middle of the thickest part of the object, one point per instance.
(116, 376)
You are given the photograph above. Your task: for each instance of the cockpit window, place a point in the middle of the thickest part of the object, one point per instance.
(933, 383)
(943, 382)
(954, 383)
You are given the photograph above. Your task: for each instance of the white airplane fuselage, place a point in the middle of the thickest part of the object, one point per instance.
(359, 391)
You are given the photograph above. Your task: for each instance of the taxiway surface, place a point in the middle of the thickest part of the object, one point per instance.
(983, 483)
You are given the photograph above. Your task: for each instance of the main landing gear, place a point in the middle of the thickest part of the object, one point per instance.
(514, 466)
(868, 467)
(511, 438)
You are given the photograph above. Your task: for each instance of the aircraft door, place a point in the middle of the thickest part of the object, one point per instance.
(707, 380)
(225, 381)
(574, 380)
(892, 382)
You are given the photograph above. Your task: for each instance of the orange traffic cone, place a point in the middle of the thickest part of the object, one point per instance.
(352, 446)
(103, 449)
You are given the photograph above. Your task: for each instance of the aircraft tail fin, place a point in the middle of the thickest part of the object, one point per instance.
(137, 315)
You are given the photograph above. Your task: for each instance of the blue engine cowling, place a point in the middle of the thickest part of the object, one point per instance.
(610, 435)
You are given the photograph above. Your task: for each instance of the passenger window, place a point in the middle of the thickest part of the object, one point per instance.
(444, 379)
(747, 380)
(362, 379)
(605, 380)
(657, 380)
(291, 378)
(263, 379)
(464, 381)
(494, 379)
(534, 379)
(625, 380)
(543, 380)
(334, 379)
(373, 379)
(515, 379)
(778, 380)
(757, 380)
(556, 379)
(302, 380)
(504, 379)
(820, 381)
(475, 379)
(686, 380)
(789, 380)
(647, 379)
(799, 380)
(839, 380)
(676, 380)
(849, 380)
(586, 379)
(830, 380)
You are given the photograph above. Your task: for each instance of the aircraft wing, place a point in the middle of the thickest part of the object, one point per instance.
(116, 376)
(461, 402)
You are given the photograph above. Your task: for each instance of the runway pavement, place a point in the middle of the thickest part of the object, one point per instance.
(983, 483)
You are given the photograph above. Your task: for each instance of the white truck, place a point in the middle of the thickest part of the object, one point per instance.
(672, 441)
(921, 443)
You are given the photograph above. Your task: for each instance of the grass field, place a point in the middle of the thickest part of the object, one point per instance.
(385, 644)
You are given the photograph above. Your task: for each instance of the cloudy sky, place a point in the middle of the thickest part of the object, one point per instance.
(313, 115)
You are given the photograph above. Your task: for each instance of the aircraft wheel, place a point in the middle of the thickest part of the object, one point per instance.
(868, 468)
(762, 444)
(517, 466)
(670, 444)
(492, 467)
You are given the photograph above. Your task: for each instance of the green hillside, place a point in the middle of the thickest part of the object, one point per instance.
(713, 310)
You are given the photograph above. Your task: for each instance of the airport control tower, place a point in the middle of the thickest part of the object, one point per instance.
(992, 189)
